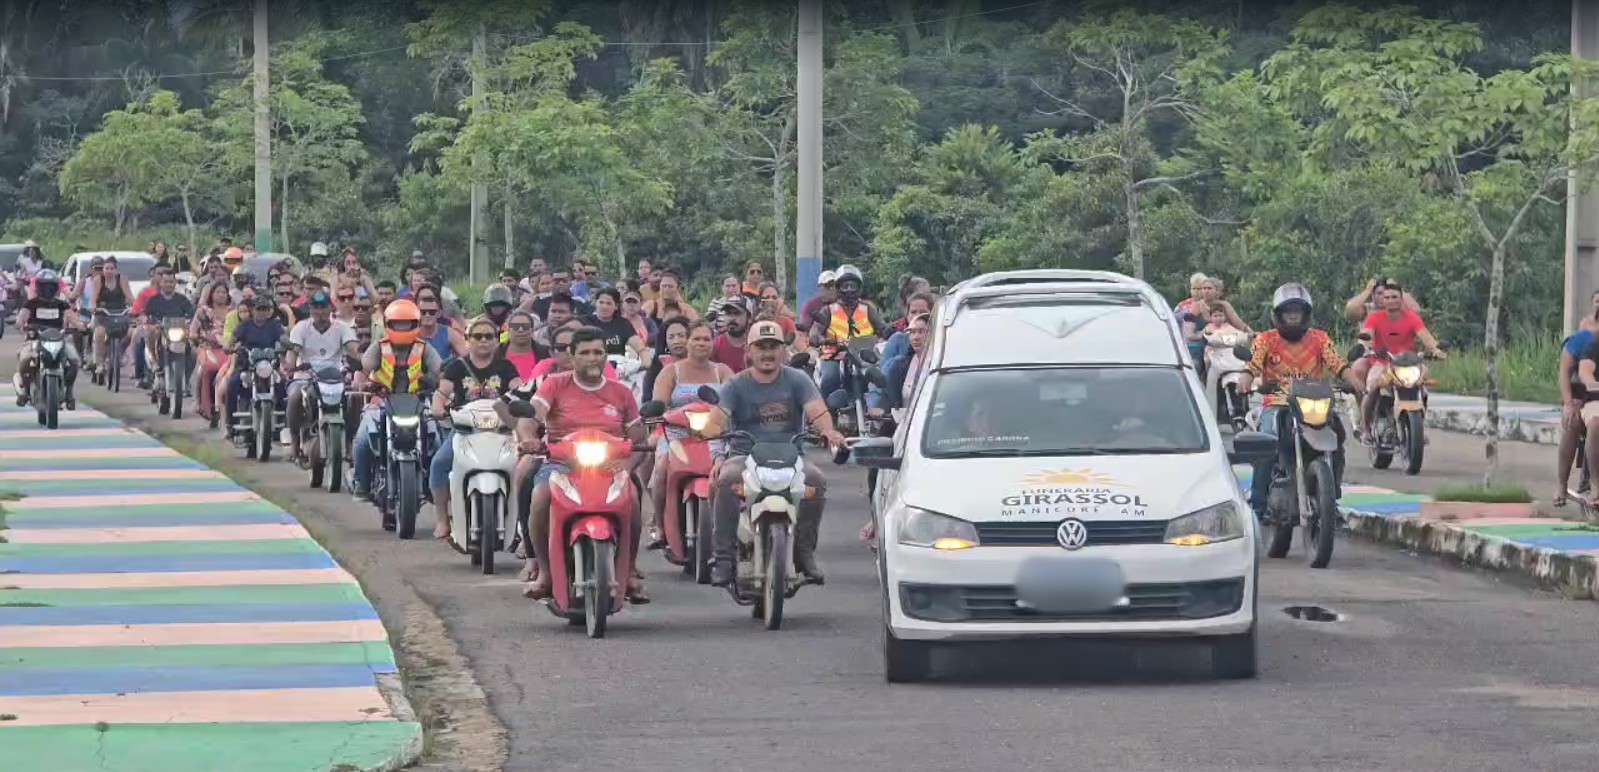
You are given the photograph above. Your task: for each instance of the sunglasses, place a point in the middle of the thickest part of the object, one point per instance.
(363, 307)
(521, 327)
(285, 293)
(483, 336)
(429, 311)
(630, 301)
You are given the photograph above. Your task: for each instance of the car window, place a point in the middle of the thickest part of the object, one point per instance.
(135, 267)
(1063, 412)
(9, 255)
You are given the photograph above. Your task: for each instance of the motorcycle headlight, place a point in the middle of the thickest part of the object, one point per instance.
(1407, 377)
(1221, 522)
(1314, 411)
(589, 454)
(176, 334)
(332, 393)
(935, 531)
(263, 369)
(774, 479)
(406, 421)
(485, 420)
(697, 421)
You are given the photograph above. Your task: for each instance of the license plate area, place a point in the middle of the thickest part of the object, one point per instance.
(1057, 585)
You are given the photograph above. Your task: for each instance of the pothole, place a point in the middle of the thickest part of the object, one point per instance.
(1313, 614)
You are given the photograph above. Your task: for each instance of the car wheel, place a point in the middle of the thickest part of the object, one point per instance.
(1232, 657)
(906, 661)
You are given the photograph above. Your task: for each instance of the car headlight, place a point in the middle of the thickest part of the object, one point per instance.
(939, 532)
(406, 421)
(697, 421)
(774, 479)
(176, 334)
(263, 369)
(1314, 411)
(1217, 523)
(589, 453)
(1407, 377)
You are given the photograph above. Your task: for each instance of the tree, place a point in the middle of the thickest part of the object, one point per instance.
(192, 159)
(118, 167)
(1394, 93)
(1151, 68)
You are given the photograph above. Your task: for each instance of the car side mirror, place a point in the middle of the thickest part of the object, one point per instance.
(1251, 447)
(521, 409)
(708, 394)
(652, 409)
(838, 400)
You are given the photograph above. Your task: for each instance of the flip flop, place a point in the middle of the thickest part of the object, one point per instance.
(534, 592)
(1559, 500)
(451, 542)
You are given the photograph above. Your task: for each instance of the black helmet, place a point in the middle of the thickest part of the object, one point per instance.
(1291, 296)
(498, 294)
(46, 284)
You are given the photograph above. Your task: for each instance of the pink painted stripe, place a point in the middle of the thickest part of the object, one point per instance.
(134, 499)
(1348, 489)
(260, 531)
(151, 452)
(44, 475)
(107, 431)
(345, 704)
(175, 579)
(73, 636)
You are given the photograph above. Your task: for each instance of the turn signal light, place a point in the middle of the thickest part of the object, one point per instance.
(952, 544)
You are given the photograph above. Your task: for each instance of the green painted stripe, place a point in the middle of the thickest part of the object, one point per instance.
(345, 592)
(1523, 531)
(66, 513)
(48, 487)
(246, 547)
(374, 652)
(1379, 498)
(269, 747)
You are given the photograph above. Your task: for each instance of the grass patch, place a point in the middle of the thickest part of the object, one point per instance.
(1529, 369)
(25, 604)
(8, 717)
(1496, 494)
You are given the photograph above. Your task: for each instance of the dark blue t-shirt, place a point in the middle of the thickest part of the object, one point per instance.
(250, 335)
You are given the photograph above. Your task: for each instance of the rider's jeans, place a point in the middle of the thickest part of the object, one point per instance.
(362, 450)
(139, 365)
(832, 376)
(1260, 482)
(728, 505)
(443, 459)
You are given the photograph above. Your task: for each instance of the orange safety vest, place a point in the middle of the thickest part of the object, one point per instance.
(413, 367)
(843, 327)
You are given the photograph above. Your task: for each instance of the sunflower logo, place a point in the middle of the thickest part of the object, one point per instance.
(1070, 477)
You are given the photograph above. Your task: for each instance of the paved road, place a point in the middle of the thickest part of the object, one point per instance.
(1453, 458)
(1432, 668)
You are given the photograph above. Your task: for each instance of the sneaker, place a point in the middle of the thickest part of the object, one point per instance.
(721, 572)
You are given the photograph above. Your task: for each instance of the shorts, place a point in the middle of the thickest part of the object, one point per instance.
(1374, 376)
(549, 468)
(1590, 412)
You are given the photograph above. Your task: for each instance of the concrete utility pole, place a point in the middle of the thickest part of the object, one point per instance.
(1582, 203)
(808, 233)
(476, 251)
(263, 131)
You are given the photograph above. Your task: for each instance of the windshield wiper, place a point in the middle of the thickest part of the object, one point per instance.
(1123, 451)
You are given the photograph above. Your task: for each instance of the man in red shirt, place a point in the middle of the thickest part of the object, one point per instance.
(728, 348)
(566, 402)
(141, 368)
(1393, 329)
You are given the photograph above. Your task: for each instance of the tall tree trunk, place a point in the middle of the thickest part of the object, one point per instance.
(782, 248)
(509, 218)
(903, 12)
(1490, 348)
(120, 212)
(283, 216)
(1135, 227)
(188, 219)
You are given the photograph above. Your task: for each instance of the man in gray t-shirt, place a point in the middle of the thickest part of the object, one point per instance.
(773, 403)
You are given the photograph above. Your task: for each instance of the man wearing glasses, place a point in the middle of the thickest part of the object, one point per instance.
(483, 373)
(436, 329)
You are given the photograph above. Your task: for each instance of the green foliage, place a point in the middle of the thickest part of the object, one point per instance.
(1484, 494)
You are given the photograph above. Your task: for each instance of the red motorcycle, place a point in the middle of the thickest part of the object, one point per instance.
(591, 526)
(686, 523)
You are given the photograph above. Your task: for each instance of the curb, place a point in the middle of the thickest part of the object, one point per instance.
(1538, 431)
(1573, 575)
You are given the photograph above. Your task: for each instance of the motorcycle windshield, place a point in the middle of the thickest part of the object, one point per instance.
(774, 455)
(404, 404)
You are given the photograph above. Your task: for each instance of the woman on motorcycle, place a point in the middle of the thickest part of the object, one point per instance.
(206, 330)
(482, 374)
(519, 349)
(678, 385)
(113, 293)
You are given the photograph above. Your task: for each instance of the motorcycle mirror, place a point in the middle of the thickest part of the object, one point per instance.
(652, 409)
(868, 355)
(1251, 447)
(838, 400)
(709, 395)
(800, 360)
(1364, 335)
(876, 376)
(1244, 353)
(521, 409)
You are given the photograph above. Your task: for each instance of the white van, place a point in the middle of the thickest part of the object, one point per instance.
(1058, 474)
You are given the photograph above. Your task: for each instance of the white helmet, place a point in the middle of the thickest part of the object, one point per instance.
(319, 250)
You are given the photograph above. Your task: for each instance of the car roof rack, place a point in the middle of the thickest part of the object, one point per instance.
(1050, 283)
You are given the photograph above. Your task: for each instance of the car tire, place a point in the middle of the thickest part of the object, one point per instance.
(1233, 657)
(906, 662)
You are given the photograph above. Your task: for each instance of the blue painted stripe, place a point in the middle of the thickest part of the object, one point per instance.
(1563, 542)
(112, 519)
(117, 442)
(118, 488)
(162, 564)
(125, 680)
(88, 422)
(1388, 508)
(171, 615)
(173, 461)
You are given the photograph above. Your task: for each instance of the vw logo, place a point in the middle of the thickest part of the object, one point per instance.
(1072, 533)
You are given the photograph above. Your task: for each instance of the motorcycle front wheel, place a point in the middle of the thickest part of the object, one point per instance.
(175, 379)
(264, 431)
(1323, 489)
(489, 517)
(776, 590)
(408, 499)
(702, 539)
(1414, 431)
(597, 602)
(333, 458)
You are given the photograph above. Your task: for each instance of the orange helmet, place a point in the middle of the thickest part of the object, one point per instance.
(233, 255)
(403, 321)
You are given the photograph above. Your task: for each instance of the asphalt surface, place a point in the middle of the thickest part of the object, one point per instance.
(1431, 667)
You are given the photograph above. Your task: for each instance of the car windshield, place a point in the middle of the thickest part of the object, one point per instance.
(135, 267)
(9, 255)
(1063, 412)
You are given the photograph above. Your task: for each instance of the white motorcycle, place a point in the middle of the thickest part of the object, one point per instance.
(773, 487)
(630, 371)
(1224, 368)
(480, 481)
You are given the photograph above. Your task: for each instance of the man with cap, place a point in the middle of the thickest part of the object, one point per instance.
(728, 348)
(772, 402)
(826, 293)
(315, 343)
(263, 329)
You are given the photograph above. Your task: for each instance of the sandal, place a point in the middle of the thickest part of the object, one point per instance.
(538, 589)
(636, 593)
(451, 542)
(1559, 499)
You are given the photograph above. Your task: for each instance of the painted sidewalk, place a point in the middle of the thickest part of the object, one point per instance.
(1559, 554)
(156, 616)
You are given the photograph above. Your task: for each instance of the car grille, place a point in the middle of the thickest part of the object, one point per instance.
(998, 603)
(1101, 533)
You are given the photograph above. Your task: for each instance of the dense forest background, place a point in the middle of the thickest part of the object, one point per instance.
(1253, 140)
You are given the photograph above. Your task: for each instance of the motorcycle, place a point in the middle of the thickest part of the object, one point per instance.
(1304, 492)
(116, 339)
(170, 366)
(687, 523)
(400, 444)
(630, 371)
(261, 389)
(591, 524)
(772, 487)
(1224, 369)
(49, 376)
(1399, 418)
(480, 481)
(323, 440)
(859, 371)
